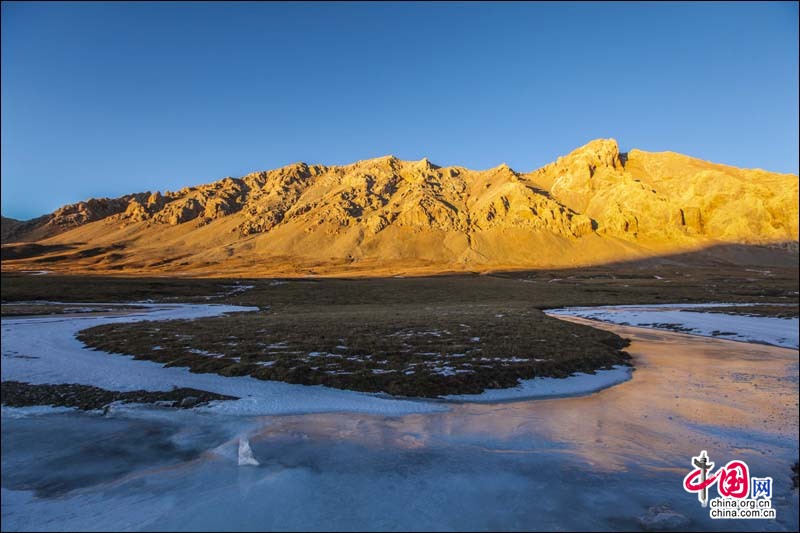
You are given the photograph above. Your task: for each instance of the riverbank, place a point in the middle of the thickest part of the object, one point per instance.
(45, 350)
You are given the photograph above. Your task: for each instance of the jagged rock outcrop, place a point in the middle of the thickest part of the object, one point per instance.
(594, 204)
(74, 215)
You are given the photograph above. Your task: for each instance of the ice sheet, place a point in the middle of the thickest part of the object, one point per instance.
(687, 317)
(595, 462)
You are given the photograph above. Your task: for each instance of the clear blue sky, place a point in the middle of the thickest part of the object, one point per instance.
(104, 99)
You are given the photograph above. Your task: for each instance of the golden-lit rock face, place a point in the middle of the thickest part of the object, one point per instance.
(385, 215)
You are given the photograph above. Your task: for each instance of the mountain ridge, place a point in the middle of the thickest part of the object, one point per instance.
(387, 215)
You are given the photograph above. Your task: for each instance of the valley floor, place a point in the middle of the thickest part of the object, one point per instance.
(415, 337)
(508, 450)
(613, 460)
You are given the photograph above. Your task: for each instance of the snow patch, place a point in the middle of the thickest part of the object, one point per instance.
(198, 351)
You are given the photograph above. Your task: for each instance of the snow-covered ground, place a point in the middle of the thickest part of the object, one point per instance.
(688, 318)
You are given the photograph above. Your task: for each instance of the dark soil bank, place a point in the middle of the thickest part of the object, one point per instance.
(403, 350)
(86, 397)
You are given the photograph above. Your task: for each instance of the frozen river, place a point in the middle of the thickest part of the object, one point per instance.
(597, 461)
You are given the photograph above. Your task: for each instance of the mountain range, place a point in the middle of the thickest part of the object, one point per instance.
(387, 216)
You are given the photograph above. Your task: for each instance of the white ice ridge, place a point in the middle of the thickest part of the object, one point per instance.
(577, 384)
(246, 453)
(767, 330)
(45, 350)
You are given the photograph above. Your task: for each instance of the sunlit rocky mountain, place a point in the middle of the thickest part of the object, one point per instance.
(388, 216)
